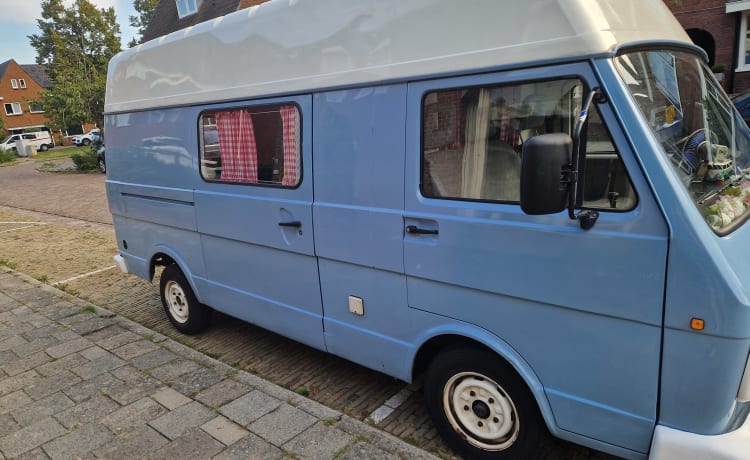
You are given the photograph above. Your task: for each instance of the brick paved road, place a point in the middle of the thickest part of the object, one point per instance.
(54, 253)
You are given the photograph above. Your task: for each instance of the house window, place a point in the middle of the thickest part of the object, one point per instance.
(187, 7)
(13, 108)
(252, 145)
(743, 47)
(14, 83)
(22, 82)
(475, 152)
(36, 107)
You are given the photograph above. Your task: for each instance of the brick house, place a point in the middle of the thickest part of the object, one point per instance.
(173, 15)
(20, 94)
(721, 28)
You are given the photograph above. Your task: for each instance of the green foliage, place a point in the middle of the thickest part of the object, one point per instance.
(85, 161)
(6, 156)
(76, 43)
(7, 263)
(145, 9)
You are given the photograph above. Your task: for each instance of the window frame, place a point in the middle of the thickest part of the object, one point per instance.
(13, 105)
(14, 83)
(187, 8)
(259, 107)
(22, 83)
(41, 106)
(520, 82)
(742, 49)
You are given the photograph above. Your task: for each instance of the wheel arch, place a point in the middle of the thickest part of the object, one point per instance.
(164, 256)
(447, 338)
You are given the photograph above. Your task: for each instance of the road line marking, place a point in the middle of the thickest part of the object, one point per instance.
(16, 229)
(18, 222)
(84, 275)
(382, 412)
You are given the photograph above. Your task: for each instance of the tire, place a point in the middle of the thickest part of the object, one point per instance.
(43, 148)
(85, 142)
(102, 165)
(184, 311)
(482, 408)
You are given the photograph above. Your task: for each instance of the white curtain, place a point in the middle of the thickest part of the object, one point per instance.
(475, 149)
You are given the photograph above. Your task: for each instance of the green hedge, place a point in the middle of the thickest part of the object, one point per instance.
(7, 156)
(85, 161)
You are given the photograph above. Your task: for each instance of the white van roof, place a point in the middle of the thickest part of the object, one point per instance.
(288, 46)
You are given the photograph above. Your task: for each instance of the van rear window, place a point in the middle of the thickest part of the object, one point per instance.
(251, 145)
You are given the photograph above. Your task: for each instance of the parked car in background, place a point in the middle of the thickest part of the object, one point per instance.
(742, 102)
(85, 139)
(41, 139)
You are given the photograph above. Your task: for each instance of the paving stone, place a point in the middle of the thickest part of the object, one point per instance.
(176, 422)
(100, 384)
(154, 359)
(174, 369)
(91, 325)
(138, 443)
(170, 398)
(135, 349)
(12, 342)
(98, 366)
(195, 443)
(224, 430)
(44, 386)
(318, 442)
(89, 411)
(127, 393)
(362, 450)
(282, 424)
(128, 418)
(63, 312)
(30, 437)
(35, 454)
(79, 315)
(51, 405)
(7, 357)
(59, 365)
(197, 380)
(118, 340)
(250, 407)
(251, 447)
(105, 334)
(13, 401)
(69, 347)
(78, 443)
(17, 382)
(27, 363)
(35, 346)
(93, 353)
(8, 425)
(222, 392)
(46, 331)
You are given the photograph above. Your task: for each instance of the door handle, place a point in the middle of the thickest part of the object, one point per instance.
(293, 224)
(414, 230)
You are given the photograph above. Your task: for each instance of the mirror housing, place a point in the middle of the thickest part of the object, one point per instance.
(545, 173)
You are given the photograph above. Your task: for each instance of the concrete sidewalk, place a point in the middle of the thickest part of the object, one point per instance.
(77, 381)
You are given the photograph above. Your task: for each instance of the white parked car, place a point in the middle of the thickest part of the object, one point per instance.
(85, 139)
(41, 139)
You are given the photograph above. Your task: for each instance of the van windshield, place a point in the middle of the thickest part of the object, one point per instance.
(705, 139)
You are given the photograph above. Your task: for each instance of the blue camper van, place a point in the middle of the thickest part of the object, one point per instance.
(538, 208)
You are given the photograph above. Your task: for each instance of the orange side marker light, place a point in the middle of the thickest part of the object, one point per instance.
(697, 324)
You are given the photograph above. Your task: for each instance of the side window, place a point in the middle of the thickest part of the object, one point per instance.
(251, 145)
(472, 140)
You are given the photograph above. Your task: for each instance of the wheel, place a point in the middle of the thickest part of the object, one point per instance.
(85, 142)
(184, 311)
(482, 408)
(102, 165)
(43, 147)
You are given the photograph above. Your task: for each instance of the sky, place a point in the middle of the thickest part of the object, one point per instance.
(18, 21)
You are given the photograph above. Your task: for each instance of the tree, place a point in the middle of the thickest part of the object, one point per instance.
(76, 44)
(145, 9)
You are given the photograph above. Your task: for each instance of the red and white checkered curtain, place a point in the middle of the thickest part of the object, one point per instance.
(290, 126)
(239, 155)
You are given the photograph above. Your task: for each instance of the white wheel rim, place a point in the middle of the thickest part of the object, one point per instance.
(176, 302)
(481, 411)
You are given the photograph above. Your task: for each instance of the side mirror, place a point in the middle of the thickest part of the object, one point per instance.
(545, 168)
